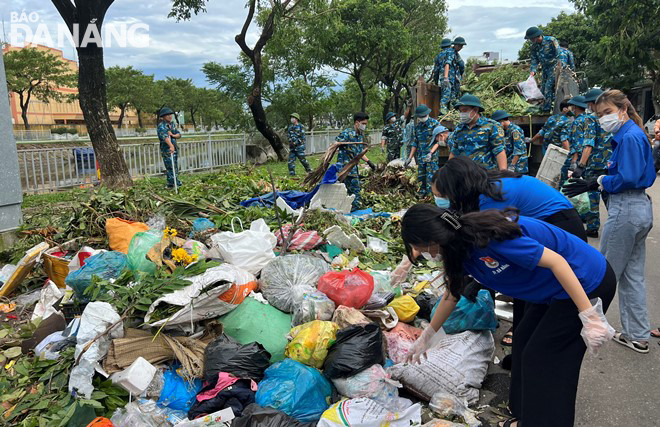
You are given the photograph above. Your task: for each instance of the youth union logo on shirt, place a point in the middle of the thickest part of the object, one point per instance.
(490, 262)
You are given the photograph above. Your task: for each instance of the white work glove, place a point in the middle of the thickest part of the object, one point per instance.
(429, 339)
(527, 140)
(400, 273)
(512, 168)
(428, 157)
(595, 331)
(573, 166)
(382, 149)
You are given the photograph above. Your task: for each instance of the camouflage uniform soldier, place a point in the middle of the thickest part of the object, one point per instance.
(460, 70)
(514, 142)
(348, 152)
(477, 137)
(297, 140)
(544, 53)
(169, 149)
(555, 129)
(424, 148)
(566, 58)
(392, 137)
(440, 60)
(451, 74)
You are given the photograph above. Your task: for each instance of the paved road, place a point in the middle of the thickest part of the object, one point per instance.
(619, 387)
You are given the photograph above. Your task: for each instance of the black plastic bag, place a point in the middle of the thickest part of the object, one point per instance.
(236, 396)
(357, 348)
(241, 360)
(426, 301)
(258, 416)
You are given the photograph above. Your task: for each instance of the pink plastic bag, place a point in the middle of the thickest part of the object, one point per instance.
(530, 89)
(400, 340)
(349, 288)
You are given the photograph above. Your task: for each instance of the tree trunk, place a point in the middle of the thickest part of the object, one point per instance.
(139, 114)
(363, 92)
(24, 115)
(122, 111)
(192, 119)
(655, 93)
(92, 90)
(386, 106)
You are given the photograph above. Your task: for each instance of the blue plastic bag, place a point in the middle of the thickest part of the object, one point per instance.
(178, 393)
(299, 391)
(106, 265)
(201, 224)
(471, 316)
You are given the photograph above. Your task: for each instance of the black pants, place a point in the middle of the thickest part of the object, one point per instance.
(547, 356)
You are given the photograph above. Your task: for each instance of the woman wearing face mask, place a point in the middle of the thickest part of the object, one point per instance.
(567, 286)
(630, 213)
(467, 187)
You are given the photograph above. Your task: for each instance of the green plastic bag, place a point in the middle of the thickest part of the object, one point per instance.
(254, 321)
(141, 243)
(580, 202)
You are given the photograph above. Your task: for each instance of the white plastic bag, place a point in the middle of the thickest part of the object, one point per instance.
(250, 250)
(201, 300)
(530, 89)
(373, 383)
(363, 412)
(447, 405)
(49, 295)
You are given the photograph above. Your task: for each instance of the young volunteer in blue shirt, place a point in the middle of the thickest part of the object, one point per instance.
(567, 286)
(467, 187)
(630, 213)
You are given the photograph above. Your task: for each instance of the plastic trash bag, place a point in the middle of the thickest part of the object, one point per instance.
(348, 288)
(348, 316)
(242, 361)
(356, 349)
(106, 265)
(258, 416)
(378, 301)
(141, 243)
(457, 365)
(530, 89)
(363, 412)
(426, 302)
(373, 383)
(580, 202)
(295, 389)
(193, 247)
(313, 305)
(405, 307)
(383, 283)
(177, 393)
(310, 342)
(471, 316)
(95, 320)
(447, 405)
(48, 296)
(283, 275)
(251, 250)
(253, 321)
(400, 340)
(121, 231)
(199, 225)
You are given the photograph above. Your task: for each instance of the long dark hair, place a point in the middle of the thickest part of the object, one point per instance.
(456, 235)
(462, 181)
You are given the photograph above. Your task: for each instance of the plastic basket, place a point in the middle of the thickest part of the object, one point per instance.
(72, 310)
(550, 169)
(58, 268)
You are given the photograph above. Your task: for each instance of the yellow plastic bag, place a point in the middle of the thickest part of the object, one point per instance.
(310, 342)
(405, 307)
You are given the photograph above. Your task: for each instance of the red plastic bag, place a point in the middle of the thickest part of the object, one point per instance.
(349, 288)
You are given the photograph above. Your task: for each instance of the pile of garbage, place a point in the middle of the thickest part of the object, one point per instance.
(248, 325)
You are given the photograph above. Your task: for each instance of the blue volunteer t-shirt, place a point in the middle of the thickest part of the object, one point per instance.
(534, 198)
(511, 266)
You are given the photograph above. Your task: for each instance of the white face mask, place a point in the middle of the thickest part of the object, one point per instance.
(465, 117)
(293, 121)
(611, 122)
(362, 127)
(427, 256)
(423, 119)
(393, 119)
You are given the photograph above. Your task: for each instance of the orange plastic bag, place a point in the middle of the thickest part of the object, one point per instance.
(349, 288)
(100, 422)
(120, 232)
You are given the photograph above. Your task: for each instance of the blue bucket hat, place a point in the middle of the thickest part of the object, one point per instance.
(469, 100)
(499, 115)
(578, 101)
(389, 116)
(592, 94)
(438, 129)
(422, 110)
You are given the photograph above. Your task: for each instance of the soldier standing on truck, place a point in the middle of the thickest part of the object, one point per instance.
(297, 140)
(566, 58)
(451, 71)
(477, 137)
(514, 142)
(392, 137)
(440, 60)
(425, 148)
(460, 67)
(544, 53)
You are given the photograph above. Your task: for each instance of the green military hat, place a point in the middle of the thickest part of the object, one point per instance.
(578, 101)
(469, 100)
(459, 40)
(445, 43)
(295, 116)
(592, 94)
(422, 110)
(389, 116)
(165, 111)
(499, 115)
(533, 32)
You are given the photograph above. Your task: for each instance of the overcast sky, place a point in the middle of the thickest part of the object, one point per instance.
(180, 49)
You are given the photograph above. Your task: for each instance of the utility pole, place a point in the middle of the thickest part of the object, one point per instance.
(11, 195)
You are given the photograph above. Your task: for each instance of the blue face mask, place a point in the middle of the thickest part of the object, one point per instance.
(441, 202)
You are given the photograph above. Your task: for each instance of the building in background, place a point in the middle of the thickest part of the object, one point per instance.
(45, 115)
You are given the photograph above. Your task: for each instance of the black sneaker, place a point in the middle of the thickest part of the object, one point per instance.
(592, 234)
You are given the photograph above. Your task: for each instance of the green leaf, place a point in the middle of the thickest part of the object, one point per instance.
(12, 352)
(99, 395)
(90, 402)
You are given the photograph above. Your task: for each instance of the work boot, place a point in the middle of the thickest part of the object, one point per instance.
(592, 233)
